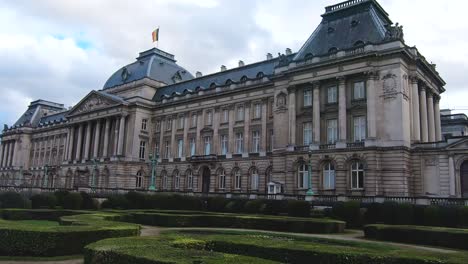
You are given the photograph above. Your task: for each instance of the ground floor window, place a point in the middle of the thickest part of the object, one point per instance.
(165, 180)
(176, 181)
(329, 176)
(139, 180)
(254, 179)
(189, 180)
(302, 176)
(237, 179)
(357, 175)
(222, 179)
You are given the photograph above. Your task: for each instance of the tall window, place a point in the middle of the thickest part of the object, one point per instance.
(139, 180)
(144, 123)
(307, 97)
(237, 179)
(189, 180)
(192, 146)
(255, 141)
(224, 144)
(332, 95)
(240, 113)
(332, 131)
(142, 149)
(181, 122)
(307, 133)
(225, 115)
(254, 179)
(158, 126)
(207, 145)
(209, 118)
(169, 124)
(359, 128)
(157, 149)
(302, 176)
(239, 143)
(357, 175)
(272, 139)
(167, 148)
(194, 120)
(180, 148)
(329, 176)
(258, 111)
(176, 181)
(359, 91)
(165, 180)
(222, 179)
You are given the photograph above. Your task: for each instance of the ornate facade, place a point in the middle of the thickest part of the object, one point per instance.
(355, 110)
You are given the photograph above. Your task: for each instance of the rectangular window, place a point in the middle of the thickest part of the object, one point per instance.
(192, 146)
(207, 146)
(225, 116)
(332, 131)
(180, 148)
(359, 128)
(239, 143)
(224, 144)
(332, 95)
(359, 91)
(158, 126)
(177, 181)
(222, 180)
(194, 120)
(237, 180)
(189, 180)
(255, 141)
(302, 177)
(144, 123)
(209, 118)
(307, 133)
(139, 181)
(167, 147)
(258, 111)
(142, 149)
(272, 139)
(156, 150)
(271, 106)
(181, 122)
(307, 97)
(240, 113)
(169, 124)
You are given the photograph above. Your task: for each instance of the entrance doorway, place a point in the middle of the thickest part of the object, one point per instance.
(464, 179)
(206, 177)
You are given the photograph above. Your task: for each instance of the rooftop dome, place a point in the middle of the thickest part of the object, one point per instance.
(154, 64)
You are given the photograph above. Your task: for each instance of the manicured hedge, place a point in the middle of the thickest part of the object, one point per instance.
(13, 200)
(285, 224)
(433, 236)
(76, 231)
(227, 247)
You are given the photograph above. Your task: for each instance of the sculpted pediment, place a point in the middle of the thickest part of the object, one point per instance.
(93, 101)
(461, 144)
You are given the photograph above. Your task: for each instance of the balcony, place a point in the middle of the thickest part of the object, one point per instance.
(355, 145)
(204, 158)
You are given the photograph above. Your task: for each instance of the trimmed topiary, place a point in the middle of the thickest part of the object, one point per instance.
(43, 200)
(72, 201)
(298, 208)
(13, 200)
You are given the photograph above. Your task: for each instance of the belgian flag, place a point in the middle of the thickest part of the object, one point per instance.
(155, 35)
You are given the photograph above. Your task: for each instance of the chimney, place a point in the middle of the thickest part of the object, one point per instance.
(223, 68)
(241, 64)
(198, 74)
(269, 56)
(288, 51)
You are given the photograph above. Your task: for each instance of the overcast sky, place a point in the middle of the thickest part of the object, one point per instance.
(60, 50)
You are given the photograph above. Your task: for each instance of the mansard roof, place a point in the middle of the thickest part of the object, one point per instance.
(347, 25)
(36, 110)
(153, 64)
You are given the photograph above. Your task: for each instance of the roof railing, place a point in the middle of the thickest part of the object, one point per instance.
(343, 5)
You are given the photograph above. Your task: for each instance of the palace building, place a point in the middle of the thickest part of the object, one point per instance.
(354, 112)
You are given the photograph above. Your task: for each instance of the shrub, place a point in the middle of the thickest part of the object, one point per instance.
(43, 200)
(448, 216)
(88, 202)
(433, 236)
(274, 207)
(253, 206)
(116, 202)
(350, 212)
(13, 200)
(235, 206)
(298, 208)
(136, 200)
(463, 217)
(373, 214)
(216, 204)
(72, 201)
(59, 195)
(432, 215)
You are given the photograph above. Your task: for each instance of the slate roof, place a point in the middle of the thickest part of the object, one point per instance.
(36, 109)
(347, 25)
(55, 118)
(154, 64)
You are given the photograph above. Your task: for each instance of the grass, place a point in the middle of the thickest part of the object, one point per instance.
(38, 223)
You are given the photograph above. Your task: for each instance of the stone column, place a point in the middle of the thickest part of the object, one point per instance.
(430, 117)
(186, 139)
(46, 146)
(451, 167)
(216, 121)
(198, 145)
(263, 146)
(97, 136)
(66, 144)
(87, 141)
(247, 128)
(52, 144)
(371, 105)
(105, 147)
(71, 138)
(231, 136)
(79, 143)
(2, 145)
(173, 138)
(423, 111)
(7, 152)
(416, 109)
(438, 128)
(292, 115)
(316, 113)
(121, 135)
(161, 138)
(342, 109)
(116, 136)
(10, 155)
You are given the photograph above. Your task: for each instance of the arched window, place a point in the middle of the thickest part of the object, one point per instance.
(357, 175)
(176, 180)
(237, 179)
(260, 75)
(329, 176)
(302, 176)
(165, 180)
(254, 179)
(139, 180)
(333, 50)
(213, 85)
(189, 180)
(359, 44)
(244, 79)
(228, 82)
(221, 179)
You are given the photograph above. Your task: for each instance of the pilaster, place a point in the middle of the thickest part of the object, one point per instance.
(423, 111)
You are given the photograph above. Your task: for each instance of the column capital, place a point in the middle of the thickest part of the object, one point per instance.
(341, 79)
(372, 74)
(315, 84)
(292, 88)
(123, 114)
(413, 78)
(436, 98)
(422, 88)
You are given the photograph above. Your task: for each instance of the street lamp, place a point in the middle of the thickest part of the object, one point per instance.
(154, 162)
(310, 192)
(93, 175)
(46, 168)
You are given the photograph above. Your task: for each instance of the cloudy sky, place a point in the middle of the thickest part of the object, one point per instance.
(60, 50)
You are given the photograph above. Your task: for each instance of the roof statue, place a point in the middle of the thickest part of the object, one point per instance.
(394, 32)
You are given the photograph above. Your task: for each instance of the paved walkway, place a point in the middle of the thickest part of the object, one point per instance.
(350, 235)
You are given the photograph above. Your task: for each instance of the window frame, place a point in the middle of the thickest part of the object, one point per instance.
(307, 97)
(358, 171)
(257, 111)
(142, 152)
(189, 180)
(239, 143)
(237, 179)
(334, 129)
(177, 181)
(180, 148)
(222, 179)
(255, 141)
(307, 133)
(207, 145)
(302, 176)
(224, 144)
(329, 176)
(361, 134)
(254, 180)
(332, 94)
(144, 124)
(193, 147)
(361, 89)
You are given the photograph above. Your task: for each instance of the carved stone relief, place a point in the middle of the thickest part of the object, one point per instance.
(92, 103)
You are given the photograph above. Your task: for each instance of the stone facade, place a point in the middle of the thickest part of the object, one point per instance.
(361, 118)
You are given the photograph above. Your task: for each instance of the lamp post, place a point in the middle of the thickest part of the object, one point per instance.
(154, 162)
(93, 175)
(310, 192)
(46, 168)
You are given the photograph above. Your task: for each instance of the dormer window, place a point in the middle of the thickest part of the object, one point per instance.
(228, 82)
(213, 85)
(333, 50)
(308, 56)
(260, 75)
(244, 79)
(359, 44)
(331, 30)
(354, 23)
